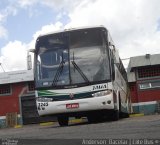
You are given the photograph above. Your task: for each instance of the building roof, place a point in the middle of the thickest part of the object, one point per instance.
(145, 60)
(16, 76)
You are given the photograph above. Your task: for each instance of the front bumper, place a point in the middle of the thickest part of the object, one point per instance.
(87, 104)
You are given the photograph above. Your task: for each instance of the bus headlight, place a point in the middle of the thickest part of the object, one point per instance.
(42, 99)
(102, 93)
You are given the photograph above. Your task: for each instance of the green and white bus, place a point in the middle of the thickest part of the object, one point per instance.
(78, 73)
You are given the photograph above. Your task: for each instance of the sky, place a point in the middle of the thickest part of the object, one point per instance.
(133, 24)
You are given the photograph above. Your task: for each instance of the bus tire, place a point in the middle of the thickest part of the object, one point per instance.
(63, 120)
(124, 115)
(115, 115)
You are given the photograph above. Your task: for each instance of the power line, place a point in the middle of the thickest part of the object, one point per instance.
(2, 67)
(125, 58)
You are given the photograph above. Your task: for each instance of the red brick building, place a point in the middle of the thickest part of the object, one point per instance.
(144, 82)
(13, 86)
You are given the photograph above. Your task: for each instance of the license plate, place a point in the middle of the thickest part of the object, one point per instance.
(72, 106)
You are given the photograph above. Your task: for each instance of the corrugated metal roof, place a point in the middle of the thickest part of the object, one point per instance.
(144, 60)
(16, 76)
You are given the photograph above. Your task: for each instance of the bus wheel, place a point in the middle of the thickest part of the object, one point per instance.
(115, 115)
(124, 115)
(63, 120)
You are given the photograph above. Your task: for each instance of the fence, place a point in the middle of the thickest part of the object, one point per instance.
(11, 119)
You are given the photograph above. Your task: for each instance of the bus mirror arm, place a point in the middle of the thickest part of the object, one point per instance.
(29, 59)
(31, 50)
(112, 45)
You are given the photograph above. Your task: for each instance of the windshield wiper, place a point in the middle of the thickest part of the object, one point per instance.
(58, 72)
(79, 70)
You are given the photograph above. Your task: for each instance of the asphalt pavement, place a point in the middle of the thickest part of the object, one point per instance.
(143, 127)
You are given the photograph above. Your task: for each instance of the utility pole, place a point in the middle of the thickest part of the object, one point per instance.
(2, 67)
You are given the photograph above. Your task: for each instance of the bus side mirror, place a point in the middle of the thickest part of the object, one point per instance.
(115, 52)
(32, 50)
(116, 56)
(29, 59)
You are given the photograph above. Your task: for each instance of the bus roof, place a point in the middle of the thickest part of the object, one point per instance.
(71, 29)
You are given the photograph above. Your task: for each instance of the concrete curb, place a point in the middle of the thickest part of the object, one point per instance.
(70, 121)
(18, 126)
(136, 115)
(47, 123)
(76, 121)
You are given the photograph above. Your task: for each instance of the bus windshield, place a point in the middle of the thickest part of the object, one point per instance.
(72, 58)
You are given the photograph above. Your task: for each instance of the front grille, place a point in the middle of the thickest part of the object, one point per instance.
(60, 98)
